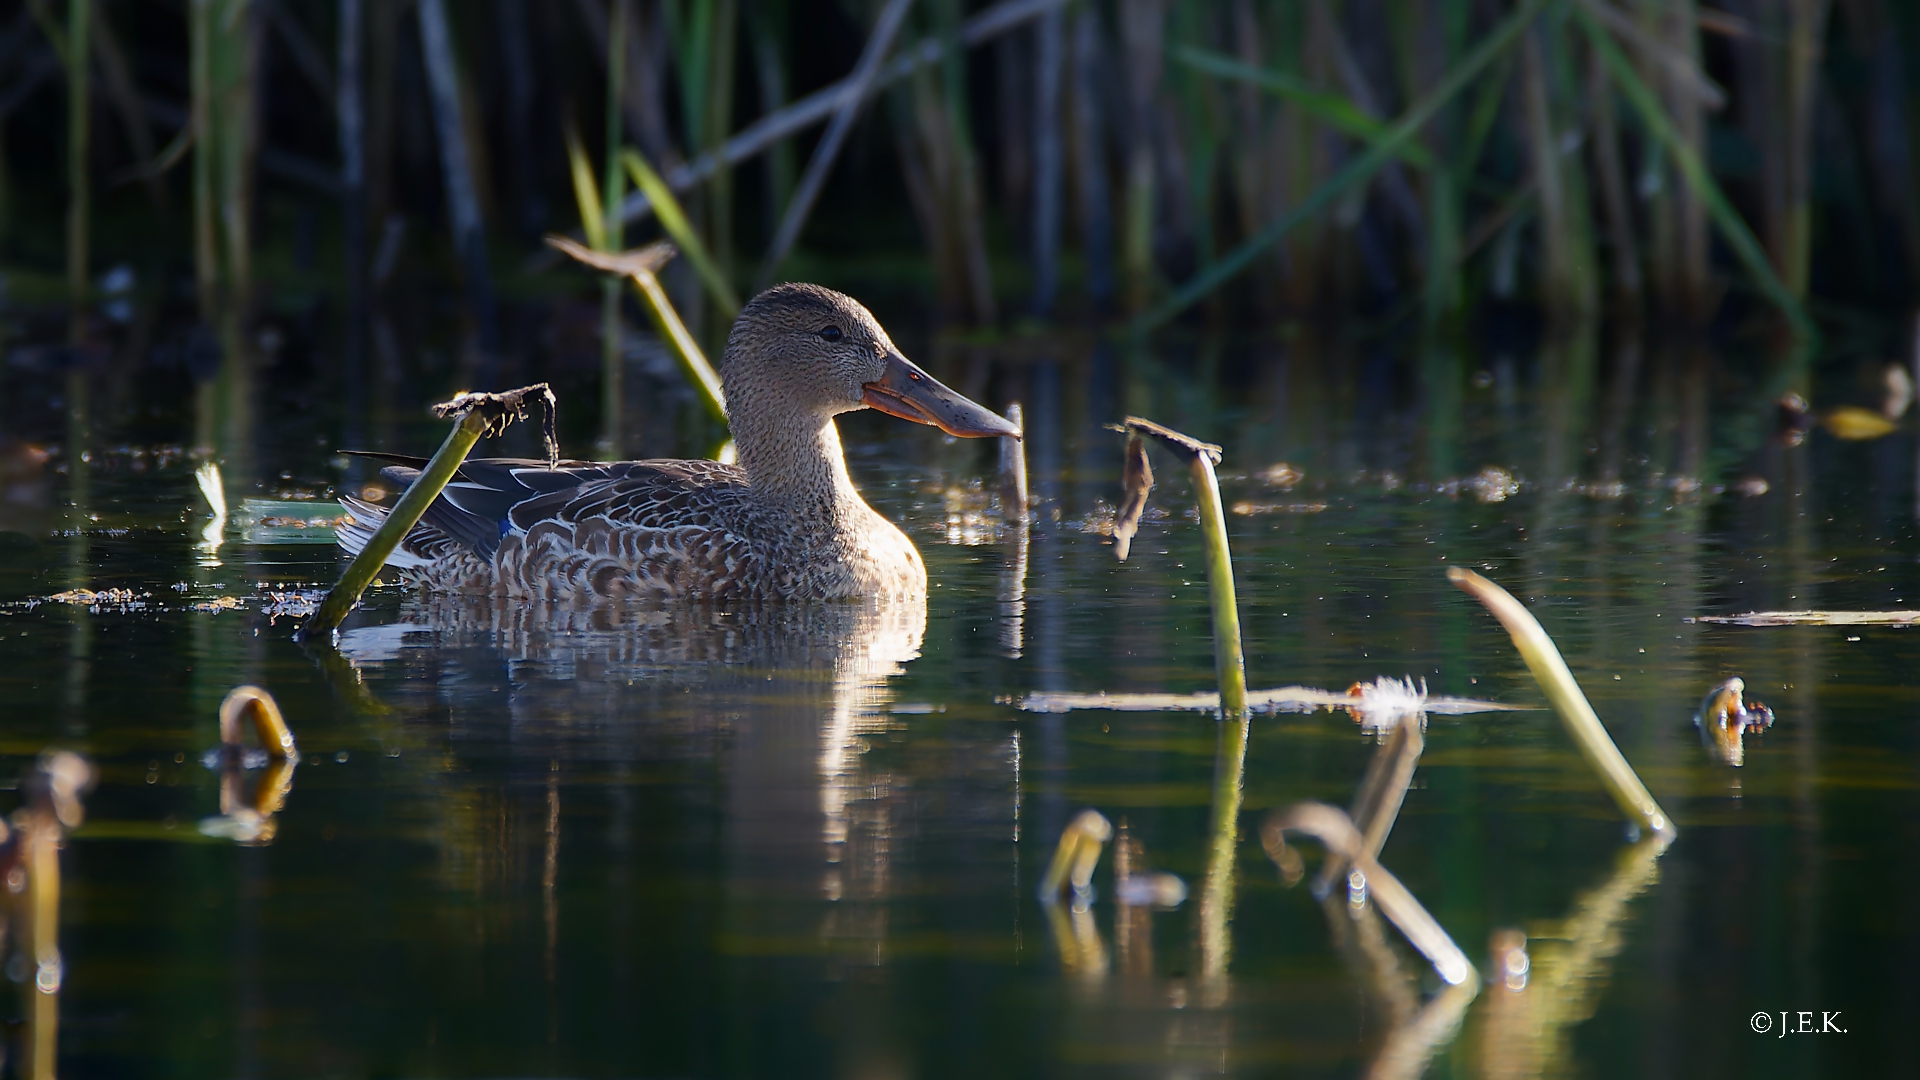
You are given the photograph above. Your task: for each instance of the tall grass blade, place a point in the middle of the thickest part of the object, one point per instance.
(1550, 671)
(1354, 173)
(768, 131)
(1732, 228)
(1336, 110)
(586, 193)
(673, 218)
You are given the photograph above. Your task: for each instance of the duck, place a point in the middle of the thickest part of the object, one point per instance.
(782, 522)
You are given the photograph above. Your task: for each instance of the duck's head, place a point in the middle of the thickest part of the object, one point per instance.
(800, 348)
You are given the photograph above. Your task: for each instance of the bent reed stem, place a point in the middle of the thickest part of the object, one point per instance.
(1550, 671)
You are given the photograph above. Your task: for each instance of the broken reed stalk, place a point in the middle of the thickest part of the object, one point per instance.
(1550, 671)
(1075, 858)
(478, 414)
(1332, 827)
(1355, 173)
(255, 704)
(1013, 470)
(642, 266)
(1229, 663)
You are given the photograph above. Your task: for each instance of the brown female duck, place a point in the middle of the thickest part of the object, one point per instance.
(784, 523)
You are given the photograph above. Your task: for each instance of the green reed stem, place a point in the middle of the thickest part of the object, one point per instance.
(1335, 110)
(673, 218)
(1358, 171)
(1229, 662)
(366, 565)
(1550, 671)
(1732, 228)
(693, 360)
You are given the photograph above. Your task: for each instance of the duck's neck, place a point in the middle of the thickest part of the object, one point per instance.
(795, 459)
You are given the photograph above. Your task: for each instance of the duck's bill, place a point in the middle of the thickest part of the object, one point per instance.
(909, 393)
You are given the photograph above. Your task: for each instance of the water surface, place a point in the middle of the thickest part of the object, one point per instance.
(634, 842)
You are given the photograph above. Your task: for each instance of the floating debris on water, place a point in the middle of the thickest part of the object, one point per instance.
(1249, 509)
(116, 600)
(1725, 717)
(288, 521)
(1812, 618)
(1855, 424)
(1280, 475)
(1293, 699)
(1384, 702)
(1153, 889)
(219, 604)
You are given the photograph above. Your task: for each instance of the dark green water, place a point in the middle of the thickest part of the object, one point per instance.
(631, 843)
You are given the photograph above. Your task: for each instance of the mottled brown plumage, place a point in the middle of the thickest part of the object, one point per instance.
(784, 523)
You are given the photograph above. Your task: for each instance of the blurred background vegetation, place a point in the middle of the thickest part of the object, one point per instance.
(193, 192)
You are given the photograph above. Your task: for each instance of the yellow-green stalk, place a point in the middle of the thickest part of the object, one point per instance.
(642, 267)
(1550, 671)
(1229, 663)
(1074, 860)
(405, 514)
(673, 218)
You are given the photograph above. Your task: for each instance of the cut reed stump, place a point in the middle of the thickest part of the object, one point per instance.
(477, 415)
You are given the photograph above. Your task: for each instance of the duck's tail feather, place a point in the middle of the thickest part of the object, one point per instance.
(364, 519)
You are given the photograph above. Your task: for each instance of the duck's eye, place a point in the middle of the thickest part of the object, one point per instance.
(830, 333)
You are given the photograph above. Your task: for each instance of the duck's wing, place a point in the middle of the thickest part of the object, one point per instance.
(674, 518)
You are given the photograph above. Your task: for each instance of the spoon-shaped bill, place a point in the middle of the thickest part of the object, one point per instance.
(912, 394)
